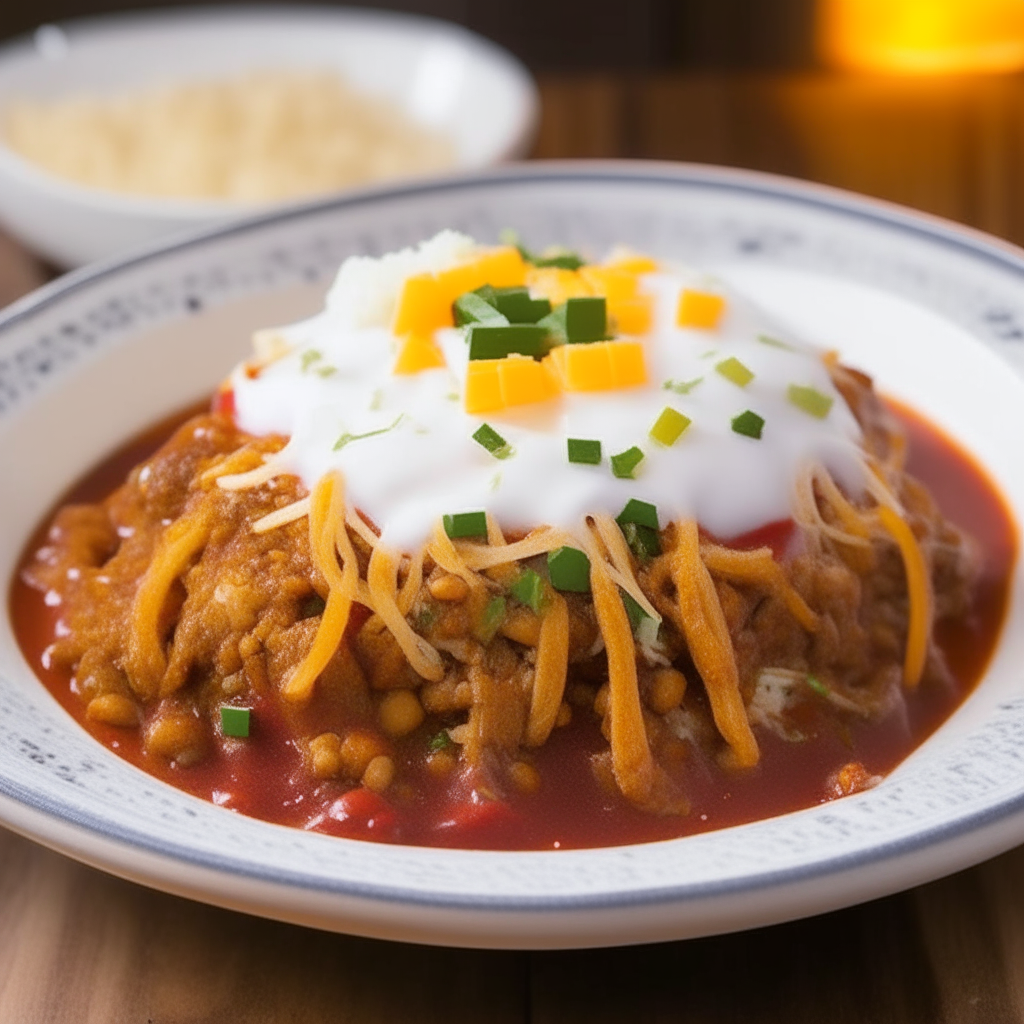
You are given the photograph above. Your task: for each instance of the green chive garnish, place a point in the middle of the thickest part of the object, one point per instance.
(440, 741)
(348, 438)
(465, 524)
(767, 339)
(643, 513)
(472, 308)
(817, 686)
(733, 370)
(489, 438)
(669, 426)
(749, 424)
(624, 464)
(810, 400)
(682, 387)
(234, 721)
(518, 306)
(584, 451)
(495, 341)
(569, 569)
(643, 541)
(563, 260)
(586, 319)
(633, 610)
(308, 358)
(490, 621)
(529, 589)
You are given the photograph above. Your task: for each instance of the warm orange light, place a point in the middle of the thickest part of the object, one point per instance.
(922, 36)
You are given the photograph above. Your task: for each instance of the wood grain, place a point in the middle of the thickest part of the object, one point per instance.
(78, 945)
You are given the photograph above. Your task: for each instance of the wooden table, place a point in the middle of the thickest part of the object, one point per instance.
(77, 945)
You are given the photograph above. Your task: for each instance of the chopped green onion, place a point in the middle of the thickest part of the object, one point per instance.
(308, 358)
(669, 426)
(495, 341)
(518, 305)
(312, 605)
(569, 569)
(234, 721)
(809, 400)
(767, 339)
(426, 617)
(490, 621)
(564, 260)
(682, 387)
(584, 451)
(643, 513)
(465, 524)
(633, 610)
(530, 590)
(472, 308)
(440, 741)
(586, 319)
(348, 438)
(749, 424)
(624, 464)
(642, 540)
(733, 370)
(817, 685)
(490, 439)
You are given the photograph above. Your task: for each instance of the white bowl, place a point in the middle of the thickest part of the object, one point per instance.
(442, 76)
(928, 307)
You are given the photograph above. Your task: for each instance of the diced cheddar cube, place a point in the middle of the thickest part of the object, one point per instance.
(483, 386)
(601, 366)
(419, 352)
(699, 309)
(422, 307)
(632, 316)
(523, 380)
(634, 263)
(611, 282)
(502, 268)
(556, 284)
(628, 367)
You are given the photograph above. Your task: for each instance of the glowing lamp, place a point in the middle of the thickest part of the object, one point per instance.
(922, 36)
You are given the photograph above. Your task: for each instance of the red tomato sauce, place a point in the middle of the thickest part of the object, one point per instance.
(265, 776)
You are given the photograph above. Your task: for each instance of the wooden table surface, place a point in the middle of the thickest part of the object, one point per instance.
(78, 945)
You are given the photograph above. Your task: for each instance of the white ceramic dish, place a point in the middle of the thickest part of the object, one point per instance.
(440, 75)
(924, 305)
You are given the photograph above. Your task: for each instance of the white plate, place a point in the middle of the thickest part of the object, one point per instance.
(440, 75)
(925, 305)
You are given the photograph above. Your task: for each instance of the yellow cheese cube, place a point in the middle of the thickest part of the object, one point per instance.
(502, 268)
(419, 352)
(523, 380)
(628, 367)
(699, 309)
(556, 284)
(422, 307)
(483, 386)
(613, 283)
(634, 263)
(632, 316)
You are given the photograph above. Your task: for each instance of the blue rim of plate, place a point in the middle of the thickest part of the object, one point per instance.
(740, 182)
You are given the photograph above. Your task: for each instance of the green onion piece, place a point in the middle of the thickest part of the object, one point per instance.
(495, 341)
(586, 319)
(554, 327)
(749, 424)
(465, 524)
(518, 306)
(624, 464)
(490, 439)
(530, 590)
(490, 621)
(440, 741)
(308, 358)
(643, 513)
(234, 721)
(472, 308)
(569, 569)
(669, 426)
(426, 617)
(810, 400)
(312, 605)
(564, 260)
(767, 339)
(643, 541)
(682, 387)
(348, 438)
(733, 370)
(633, 610)
(817, 685)
(584, 451)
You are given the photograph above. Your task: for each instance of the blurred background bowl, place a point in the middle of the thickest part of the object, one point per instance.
(439, 75)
